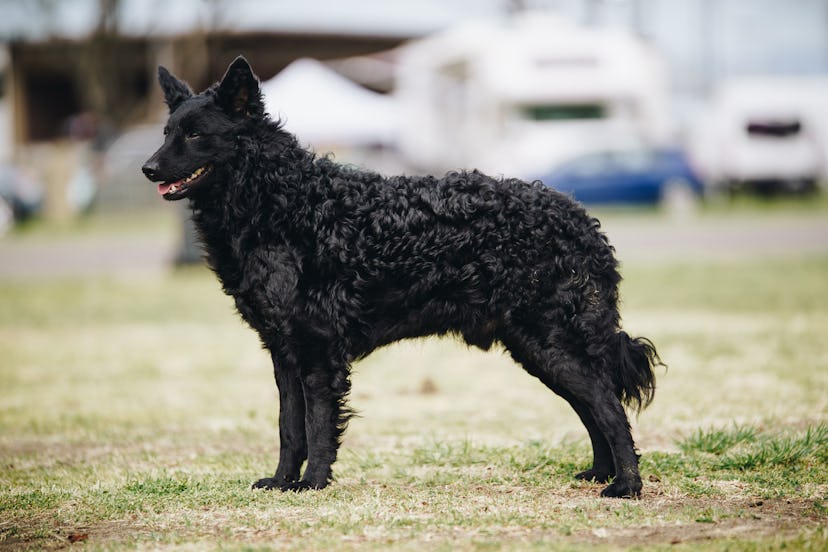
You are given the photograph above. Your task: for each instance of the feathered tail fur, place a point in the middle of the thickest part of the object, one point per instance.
(634, 376)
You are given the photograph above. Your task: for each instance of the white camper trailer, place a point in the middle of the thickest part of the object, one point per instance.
(517, 97)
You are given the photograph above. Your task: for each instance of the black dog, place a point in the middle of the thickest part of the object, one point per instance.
(328, 262)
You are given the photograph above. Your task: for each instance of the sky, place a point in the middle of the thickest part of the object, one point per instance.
(703, 41)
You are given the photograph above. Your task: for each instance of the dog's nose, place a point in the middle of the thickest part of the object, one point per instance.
(150, 169)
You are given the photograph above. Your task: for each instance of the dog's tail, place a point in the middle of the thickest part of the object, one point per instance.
(635, 360)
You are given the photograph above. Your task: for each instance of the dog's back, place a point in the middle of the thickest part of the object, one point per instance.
(464, 253)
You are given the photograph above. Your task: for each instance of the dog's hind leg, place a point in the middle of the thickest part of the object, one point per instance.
(600, 408)
(591, 395)
(603, 465)
(293, 444)
(611, 420)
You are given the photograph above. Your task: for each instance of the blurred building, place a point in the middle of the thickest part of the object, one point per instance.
(71, 56)
(77, 73)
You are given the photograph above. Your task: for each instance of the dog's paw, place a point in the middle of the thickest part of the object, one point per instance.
(594, 475)
(623, 489)
(268, 483)
(283, 484)
(301, 486)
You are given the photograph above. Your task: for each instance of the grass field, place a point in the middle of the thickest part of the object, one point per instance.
(135, 413)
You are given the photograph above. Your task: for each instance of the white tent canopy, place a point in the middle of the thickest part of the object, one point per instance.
(323, 108)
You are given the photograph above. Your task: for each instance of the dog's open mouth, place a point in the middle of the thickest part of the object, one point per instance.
(179, 188)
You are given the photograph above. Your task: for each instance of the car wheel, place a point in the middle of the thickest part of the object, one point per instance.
(678, 197)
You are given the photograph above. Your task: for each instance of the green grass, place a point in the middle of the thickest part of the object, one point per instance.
(717, 441)
(768, 462)
(806, 449)
(135, 413)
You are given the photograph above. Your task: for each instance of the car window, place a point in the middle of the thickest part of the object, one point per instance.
(564, 112)
(634, 161)
(774, 128)
(589, 164)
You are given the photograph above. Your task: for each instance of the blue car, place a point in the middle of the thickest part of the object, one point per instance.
(634, 176)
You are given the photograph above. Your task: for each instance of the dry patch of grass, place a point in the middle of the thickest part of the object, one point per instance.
(135, 414)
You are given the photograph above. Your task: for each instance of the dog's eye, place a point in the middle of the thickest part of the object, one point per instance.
(193, 135)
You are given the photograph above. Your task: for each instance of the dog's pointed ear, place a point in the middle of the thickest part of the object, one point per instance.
(175, 90)
(239, 92)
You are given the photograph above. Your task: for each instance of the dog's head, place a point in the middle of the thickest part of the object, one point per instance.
(200, 133)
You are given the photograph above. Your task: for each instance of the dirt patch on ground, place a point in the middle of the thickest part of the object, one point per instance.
(743, 519)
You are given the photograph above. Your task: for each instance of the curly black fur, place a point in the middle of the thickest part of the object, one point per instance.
(328, 262)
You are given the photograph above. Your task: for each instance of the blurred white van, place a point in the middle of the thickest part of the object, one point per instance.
(765, 135)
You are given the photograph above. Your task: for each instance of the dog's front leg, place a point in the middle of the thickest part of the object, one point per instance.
(293, 444)
(266, 298)
(326, 387)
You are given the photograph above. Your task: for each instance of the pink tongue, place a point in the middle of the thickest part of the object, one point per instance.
(163, 188)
